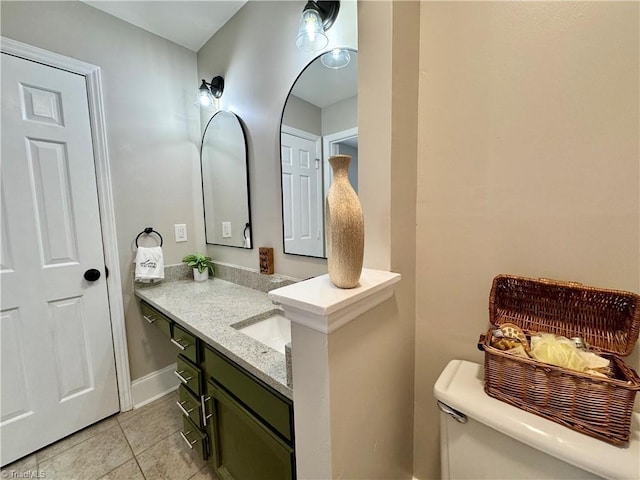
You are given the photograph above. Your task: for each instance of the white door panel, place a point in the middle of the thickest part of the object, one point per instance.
(302, 196)
(58, 369)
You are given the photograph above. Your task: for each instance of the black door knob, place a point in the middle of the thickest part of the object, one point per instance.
(92, 275)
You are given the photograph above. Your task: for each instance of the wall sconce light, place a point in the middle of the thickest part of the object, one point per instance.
(317, 18)
(336, 58)
(208, 92)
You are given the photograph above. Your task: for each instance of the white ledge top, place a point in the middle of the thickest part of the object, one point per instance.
(318, 304)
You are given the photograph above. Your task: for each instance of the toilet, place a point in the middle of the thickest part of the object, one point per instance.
(481, 437)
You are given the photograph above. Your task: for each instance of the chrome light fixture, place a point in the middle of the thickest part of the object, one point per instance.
(208, 92)
(317, 18)
(336, 58)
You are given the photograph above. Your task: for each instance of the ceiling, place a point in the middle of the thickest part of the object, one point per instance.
(324, 86)
(187, 23)
(192, 23)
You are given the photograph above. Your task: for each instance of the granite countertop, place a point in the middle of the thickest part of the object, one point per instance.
(209, 309)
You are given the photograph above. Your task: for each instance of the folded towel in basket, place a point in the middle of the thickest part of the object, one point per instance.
(149, 264)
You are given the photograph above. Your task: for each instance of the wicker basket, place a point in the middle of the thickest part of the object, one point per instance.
(608, 320)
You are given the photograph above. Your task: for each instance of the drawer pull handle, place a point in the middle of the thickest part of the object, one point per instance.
(186, 412)
(179, 345)
(148, 319)
(182, 379)
(203, 407)
(190, 444)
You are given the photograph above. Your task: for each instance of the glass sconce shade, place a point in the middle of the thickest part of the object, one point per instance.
(205, 98)
(208, 93)
(311, 36)
(336, 58)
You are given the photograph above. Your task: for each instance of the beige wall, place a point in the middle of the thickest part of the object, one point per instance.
(370, 389)
(149, 86)
(528, 163)
(260, 63)
(340, 116)
(388, 34)
(302, 115)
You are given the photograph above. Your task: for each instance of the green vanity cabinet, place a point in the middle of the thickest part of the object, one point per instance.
(156, 318)
(241, 424)
(252, 424)
(186, 342)
(275, 410)
(190, 405)
(191, 402)
(188, 370)
(195, 438)
(190, 375)
(245, 448)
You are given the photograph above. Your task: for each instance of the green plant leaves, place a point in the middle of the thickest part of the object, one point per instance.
(199, 261)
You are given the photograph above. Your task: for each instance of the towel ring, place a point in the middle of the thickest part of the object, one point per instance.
(148, 231)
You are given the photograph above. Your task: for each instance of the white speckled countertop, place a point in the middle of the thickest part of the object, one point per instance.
(209, 309)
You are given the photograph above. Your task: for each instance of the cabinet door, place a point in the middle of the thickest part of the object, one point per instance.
(273, 408)
(244, 447)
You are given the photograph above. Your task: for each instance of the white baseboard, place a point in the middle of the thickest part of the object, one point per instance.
(153, 386)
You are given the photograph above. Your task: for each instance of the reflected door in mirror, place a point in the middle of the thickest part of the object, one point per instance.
(319, 119)
(302, 195)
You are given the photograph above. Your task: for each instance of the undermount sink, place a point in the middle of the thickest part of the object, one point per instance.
(274, 331)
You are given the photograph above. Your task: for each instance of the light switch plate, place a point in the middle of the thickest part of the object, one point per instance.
(180, 230)
(226, 229)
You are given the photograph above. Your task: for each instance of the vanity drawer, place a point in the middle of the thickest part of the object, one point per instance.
(273, 408)
(156, 318)
(195, 438)
(186, 342)
(189, 404)
(189, 375)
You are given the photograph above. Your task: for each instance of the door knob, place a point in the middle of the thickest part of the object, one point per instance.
(92, 275)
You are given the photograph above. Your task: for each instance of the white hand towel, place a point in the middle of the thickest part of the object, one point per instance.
(149, 264)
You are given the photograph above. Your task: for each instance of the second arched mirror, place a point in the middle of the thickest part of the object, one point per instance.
(319, 119)
(225, 186)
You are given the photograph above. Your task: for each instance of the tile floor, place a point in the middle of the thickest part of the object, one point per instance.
(142, 444)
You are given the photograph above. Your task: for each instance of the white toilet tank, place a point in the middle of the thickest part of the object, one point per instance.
(483, 438)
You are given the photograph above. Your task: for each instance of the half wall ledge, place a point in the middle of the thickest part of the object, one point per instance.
(318, 304)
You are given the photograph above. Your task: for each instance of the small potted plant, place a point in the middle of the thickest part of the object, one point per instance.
(201, 266)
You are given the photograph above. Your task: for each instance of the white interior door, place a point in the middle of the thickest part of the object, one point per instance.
(302, 196)
(341, 143)
(58, 369)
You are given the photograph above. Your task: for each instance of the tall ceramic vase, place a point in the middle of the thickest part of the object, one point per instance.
(344, 227)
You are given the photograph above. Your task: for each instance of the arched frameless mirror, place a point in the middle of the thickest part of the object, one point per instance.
(225, 185)
(319, 119)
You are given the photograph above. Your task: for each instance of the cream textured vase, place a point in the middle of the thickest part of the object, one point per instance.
(344, 226)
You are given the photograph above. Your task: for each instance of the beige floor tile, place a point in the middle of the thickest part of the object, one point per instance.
(90, 459)
(21, 468)
(151, 426)
(205, 474)
(125, 416)
(170, 459)
(75, 439)
(127, 471)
